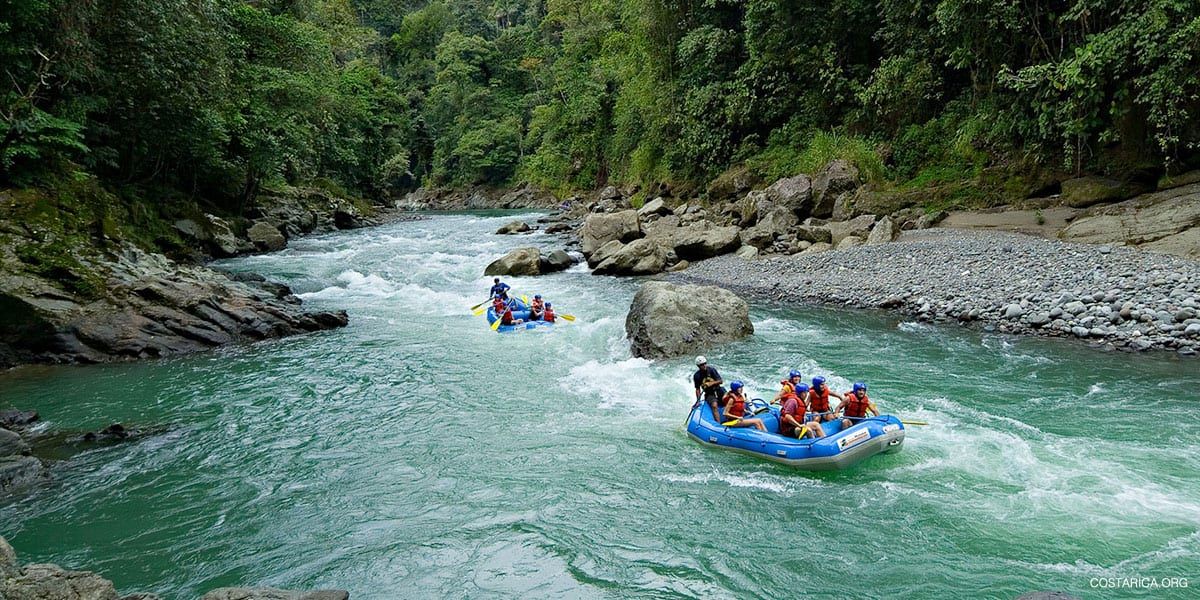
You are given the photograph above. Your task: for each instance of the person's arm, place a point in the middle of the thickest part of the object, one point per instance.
(840, 397)
(875, 409)
(725, 416)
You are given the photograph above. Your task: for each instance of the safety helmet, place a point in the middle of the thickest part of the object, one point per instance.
(793, 373)
(801, 388)
(537, 296)
(548, 305)
(700, 360)
(859, 387)
(737, 385)
(818, 381)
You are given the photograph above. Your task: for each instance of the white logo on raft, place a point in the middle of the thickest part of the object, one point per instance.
(857, 437)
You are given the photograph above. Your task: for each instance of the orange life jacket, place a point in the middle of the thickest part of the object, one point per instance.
(738, 408)
(819, 401)
(856, 406)
(548, 316)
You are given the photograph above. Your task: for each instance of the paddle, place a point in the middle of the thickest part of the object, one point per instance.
(496, 324)
(568, 317)
(476, 307)
(913, 422)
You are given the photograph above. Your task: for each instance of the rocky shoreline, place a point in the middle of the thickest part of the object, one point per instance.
(49, 581)
(76, 286)
(1111, 297)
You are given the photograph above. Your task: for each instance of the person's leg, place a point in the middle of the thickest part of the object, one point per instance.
(757, 423)
(712, 404)
(816, 430)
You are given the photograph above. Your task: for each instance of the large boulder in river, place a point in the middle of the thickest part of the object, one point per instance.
(522, 261)
(668, 320)
(601, 228)
(556, 260)
(639, 257)
(11, 443)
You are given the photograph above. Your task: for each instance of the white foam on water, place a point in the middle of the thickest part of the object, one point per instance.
(914, 327)
(753, 480)
(1096, 388)
(629, 383)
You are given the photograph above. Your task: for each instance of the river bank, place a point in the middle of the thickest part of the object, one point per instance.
(1113, 298)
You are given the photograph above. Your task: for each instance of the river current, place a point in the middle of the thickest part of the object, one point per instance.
(417, 454)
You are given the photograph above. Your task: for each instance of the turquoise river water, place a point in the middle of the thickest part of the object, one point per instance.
(417, 454)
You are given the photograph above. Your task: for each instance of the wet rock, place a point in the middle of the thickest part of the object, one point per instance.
(266, 237)
(520, 261)
(273, 594)
(555, 260)
(51, 582)
(599, 229)
(667, 320)
(639, 257)
(814, 234)
(514, 227)
(558, 228)
(19, 471)
(11, 418)
(11, 443)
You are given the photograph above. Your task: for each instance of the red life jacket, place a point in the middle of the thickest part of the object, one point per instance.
(856, 406)
(738, 408)
(819, 401)
(548, 316)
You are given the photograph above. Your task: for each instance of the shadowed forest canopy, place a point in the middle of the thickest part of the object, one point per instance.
(216, 98)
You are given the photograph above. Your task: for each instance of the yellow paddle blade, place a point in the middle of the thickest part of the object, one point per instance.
(914, 422)
(568, 317)
(803, 430)
(730, 423)
(496, 325)
(525, 299)
(479, 311)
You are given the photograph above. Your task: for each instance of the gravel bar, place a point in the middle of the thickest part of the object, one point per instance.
(1111, 297)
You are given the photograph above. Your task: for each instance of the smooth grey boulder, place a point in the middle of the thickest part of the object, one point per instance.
(521, 261)
(601, 228)
(19, 471)
(231, 593)
(1167, 221)
(667, 320)
(555, 260)
(605, 251)
(639, 257)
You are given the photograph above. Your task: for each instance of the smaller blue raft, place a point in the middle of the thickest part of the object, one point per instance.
(839, 449)
(520, 312)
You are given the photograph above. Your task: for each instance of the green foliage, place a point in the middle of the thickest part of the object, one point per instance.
(214, 98)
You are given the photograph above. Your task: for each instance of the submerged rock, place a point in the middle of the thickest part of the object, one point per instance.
(667, 320)
(514, 227)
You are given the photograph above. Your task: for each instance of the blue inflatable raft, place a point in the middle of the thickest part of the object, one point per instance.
(520, 311)
(839, 449)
